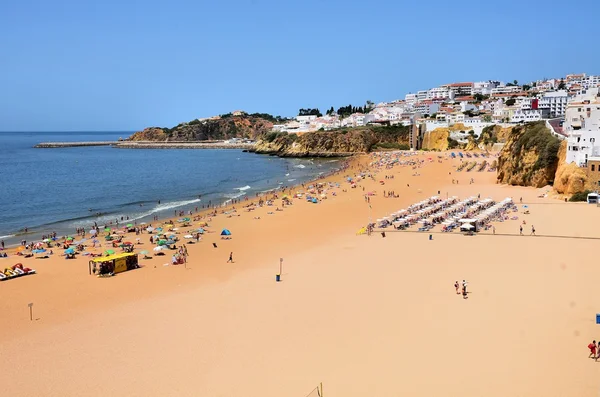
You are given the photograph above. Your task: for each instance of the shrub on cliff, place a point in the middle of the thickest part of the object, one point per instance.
(580, 196)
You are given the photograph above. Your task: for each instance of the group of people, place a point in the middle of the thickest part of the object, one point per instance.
(461, 290)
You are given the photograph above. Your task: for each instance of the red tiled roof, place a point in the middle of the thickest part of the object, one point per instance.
(460, 85)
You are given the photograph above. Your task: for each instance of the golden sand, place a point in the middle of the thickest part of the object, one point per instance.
(367, 316)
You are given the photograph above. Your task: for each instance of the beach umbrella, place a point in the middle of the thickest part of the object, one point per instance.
(130, 225)
(225, 232)
(162, 242)
(69, 251)
(70, 238)
(107, 229)
(188, 236)
(203, 224)
(46, 240)
(93, 232)
(200, 230)
(158, 248)
(159, 229)
(39, 251)
(109, 252)
(127, 243)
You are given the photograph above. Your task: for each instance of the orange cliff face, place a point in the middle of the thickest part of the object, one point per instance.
(569, 178)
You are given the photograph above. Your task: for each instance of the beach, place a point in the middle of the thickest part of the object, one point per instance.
(364, 315)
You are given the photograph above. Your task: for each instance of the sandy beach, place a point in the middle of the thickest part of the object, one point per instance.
(364, 315)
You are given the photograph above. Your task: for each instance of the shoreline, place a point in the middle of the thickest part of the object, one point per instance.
(227, 205)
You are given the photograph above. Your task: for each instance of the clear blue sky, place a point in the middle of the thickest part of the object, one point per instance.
(124, 65)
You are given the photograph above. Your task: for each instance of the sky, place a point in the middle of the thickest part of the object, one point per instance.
(75, 65)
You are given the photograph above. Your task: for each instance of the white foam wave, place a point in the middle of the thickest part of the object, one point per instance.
(300, 166)
(235, 195)
(113, 217)
(291, 180)
(288, 174)
(242, 188)
(7, 236)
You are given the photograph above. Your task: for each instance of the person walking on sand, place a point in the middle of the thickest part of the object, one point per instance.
(592, 346)
(532, 230)
(521, 230)
(494, 229)
(456, 287)
(230, 258)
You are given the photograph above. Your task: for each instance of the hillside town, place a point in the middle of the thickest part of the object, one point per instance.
(570, 107)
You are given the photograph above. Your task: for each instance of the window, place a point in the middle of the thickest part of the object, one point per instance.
(593, 167)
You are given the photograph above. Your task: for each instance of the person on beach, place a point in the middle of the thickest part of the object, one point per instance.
(457, 287)
(494, 229)
(230, 260)
(532, 230)
(521, 230)
(2, 244)
(592, 346)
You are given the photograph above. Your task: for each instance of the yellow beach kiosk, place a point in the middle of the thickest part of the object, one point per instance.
(113, 264)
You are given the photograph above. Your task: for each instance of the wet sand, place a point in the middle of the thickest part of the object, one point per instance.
(364, 315)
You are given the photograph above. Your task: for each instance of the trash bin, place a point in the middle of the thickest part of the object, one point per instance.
(597, 318)
(431, 236)
(278, 277)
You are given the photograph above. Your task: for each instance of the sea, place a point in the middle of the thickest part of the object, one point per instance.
(61, 189)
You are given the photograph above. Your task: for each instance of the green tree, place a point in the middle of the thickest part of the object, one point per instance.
(562, 85)
(510, 102)
(526, 87)
(515, 82)
(487, 118)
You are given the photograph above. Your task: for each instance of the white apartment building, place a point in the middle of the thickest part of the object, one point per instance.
(427, 107)
(507, 89)
(459, 89)
(526, 116)
(410, 98)
(590, 81)
(421, 95)
(555, 102)
(484, 87)
(438, 93)
(354, 120)
(582, 125)
(305, 119)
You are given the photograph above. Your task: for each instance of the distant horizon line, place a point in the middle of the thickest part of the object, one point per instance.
(68, 131)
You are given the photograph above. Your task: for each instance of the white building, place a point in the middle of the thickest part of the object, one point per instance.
(555, 102)
(582, 125)
(590, 81)
(410, 98)
(426, 107)
(507, 89)
(484, 87)
(526, 116)
(459, 89)
(306, 119)
(438, 93)
(422, 95)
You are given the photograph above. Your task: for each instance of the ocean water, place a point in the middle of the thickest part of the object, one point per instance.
(46, 190)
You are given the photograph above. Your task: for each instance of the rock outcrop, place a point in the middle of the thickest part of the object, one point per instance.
(436, 139)
(529, 157)
(334, 143)
(226, 127)
(569, 178)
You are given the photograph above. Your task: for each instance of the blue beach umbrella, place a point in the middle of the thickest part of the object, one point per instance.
(69, 251)
(225, 232)
(40, 251)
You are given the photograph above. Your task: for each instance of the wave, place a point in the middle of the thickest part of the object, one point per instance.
(300, 166)
(288, 174)
(242, 188)
(106, 218)
(7, 236)
(235, 195)
(291, 180)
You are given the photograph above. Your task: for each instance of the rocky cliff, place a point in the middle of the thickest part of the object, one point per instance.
(569, 178)
(529, 157)
(226, 127)
(334, 143)
(436, 139)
